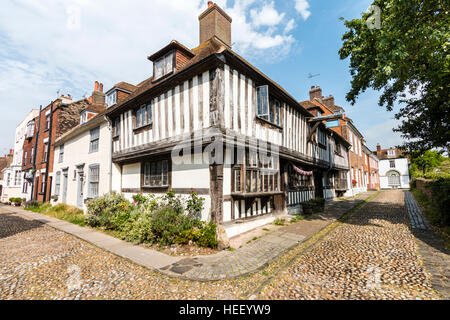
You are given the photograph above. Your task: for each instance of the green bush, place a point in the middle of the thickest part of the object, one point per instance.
(107, 211)
(16, 200)
(441, 201)
(167, 223)
(206, 236)
(194, 205)
(32, 204)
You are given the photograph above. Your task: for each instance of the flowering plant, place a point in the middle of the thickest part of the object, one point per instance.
(354, 182)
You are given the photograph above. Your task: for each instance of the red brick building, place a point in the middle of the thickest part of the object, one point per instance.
(29, 147)
(55, 119)
(359, 154)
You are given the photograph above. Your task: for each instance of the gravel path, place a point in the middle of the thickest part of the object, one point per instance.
(373, 255)
(39, 262)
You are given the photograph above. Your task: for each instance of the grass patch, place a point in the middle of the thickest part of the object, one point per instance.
(279, 222)
(265, 229)
(60, 211)
(432, 214)
(298, 217)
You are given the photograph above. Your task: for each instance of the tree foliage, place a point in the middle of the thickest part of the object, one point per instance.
(407, 58)
(426, 161)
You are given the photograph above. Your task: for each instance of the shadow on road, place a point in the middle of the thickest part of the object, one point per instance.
(11, 224)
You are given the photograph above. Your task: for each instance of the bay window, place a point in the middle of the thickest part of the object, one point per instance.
(261, 174)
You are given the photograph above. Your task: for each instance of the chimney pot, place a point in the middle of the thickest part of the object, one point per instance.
(96, 86)
(101, 87)
(210, 4)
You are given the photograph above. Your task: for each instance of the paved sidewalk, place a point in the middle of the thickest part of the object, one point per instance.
(436, 258)
(249, 258)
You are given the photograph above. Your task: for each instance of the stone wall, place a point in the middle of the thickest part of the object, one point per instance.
(423, 185)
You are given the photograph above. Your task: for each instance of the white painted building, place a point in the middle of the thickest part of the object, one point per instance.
(167, 130)
(82, 162)
(13, 186)
(393, 168)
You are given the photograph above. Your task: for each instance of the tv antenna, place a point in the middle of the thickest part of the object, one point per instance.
(310, 76)
(57, 92)
(84, 95)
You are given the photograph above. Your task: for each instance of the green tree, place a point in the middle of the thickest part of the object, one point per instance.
(426, 161)
(407, 58)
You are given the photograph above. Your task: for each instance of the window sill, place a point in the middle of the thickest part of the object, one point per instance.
(269, 122)
(143, 127)
(163, 77)
(115, 137)
(255, 194)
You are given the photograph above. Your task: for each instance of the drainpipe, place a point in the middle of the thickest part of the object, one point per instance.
(110, 154)
(35, 153)
(47, 161)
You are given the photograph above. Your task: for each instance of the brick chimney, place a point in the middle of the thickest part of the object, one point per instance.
(315, 92)
(328, 101)
(214, 22)
(98, 97)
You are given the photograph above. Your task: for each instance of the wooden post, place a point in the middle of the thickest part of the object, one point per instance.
(216, 103)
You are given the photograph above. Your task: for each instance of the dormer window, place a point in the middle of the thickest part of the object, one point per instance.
(111, 98)
(391, 153)
(163, 66)
(83, 117)
(30, 130)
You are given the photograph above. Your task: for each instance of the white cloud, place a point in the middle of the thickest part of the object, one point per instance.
(289, 26)
(52, 45)
(266, 16)
(302, 7)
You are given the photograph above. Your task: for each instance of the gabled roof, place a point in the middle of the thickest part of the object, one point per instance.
(125, 86)
(172, 45)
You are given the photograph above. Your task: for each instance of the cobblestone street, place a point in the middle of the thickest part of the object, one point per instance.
(373, 255)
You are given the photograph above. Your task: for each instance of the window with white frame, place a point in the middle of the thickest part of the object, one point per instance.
(156, 173)
(31, 155)
(391, 153)
(94, 178)
(111, 99)
(25, 155)
(94, 139)
(83, 117)
(163, 66)
(30, 129)
(116, 127)
(17, 178)
(43, 182)
(268, 108)
(61, 153)
(45, 151)
(143, 115)
(57, 183)
(391, 163)
(47, 122)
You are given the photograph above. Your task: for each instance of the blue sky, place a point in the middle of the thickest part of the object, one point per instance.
(59, 45)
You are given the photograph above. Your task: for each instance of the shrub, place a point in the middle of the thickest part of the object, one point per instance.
(441, 200)
(140, 199)
(32, 204)
(104, 211)
(194, 206)
(168, 223)
(206, 236)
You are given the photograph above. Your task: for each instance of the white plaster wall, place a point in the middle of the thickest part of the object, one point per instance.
(131, 176)
(401, 165)
(76, 151)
